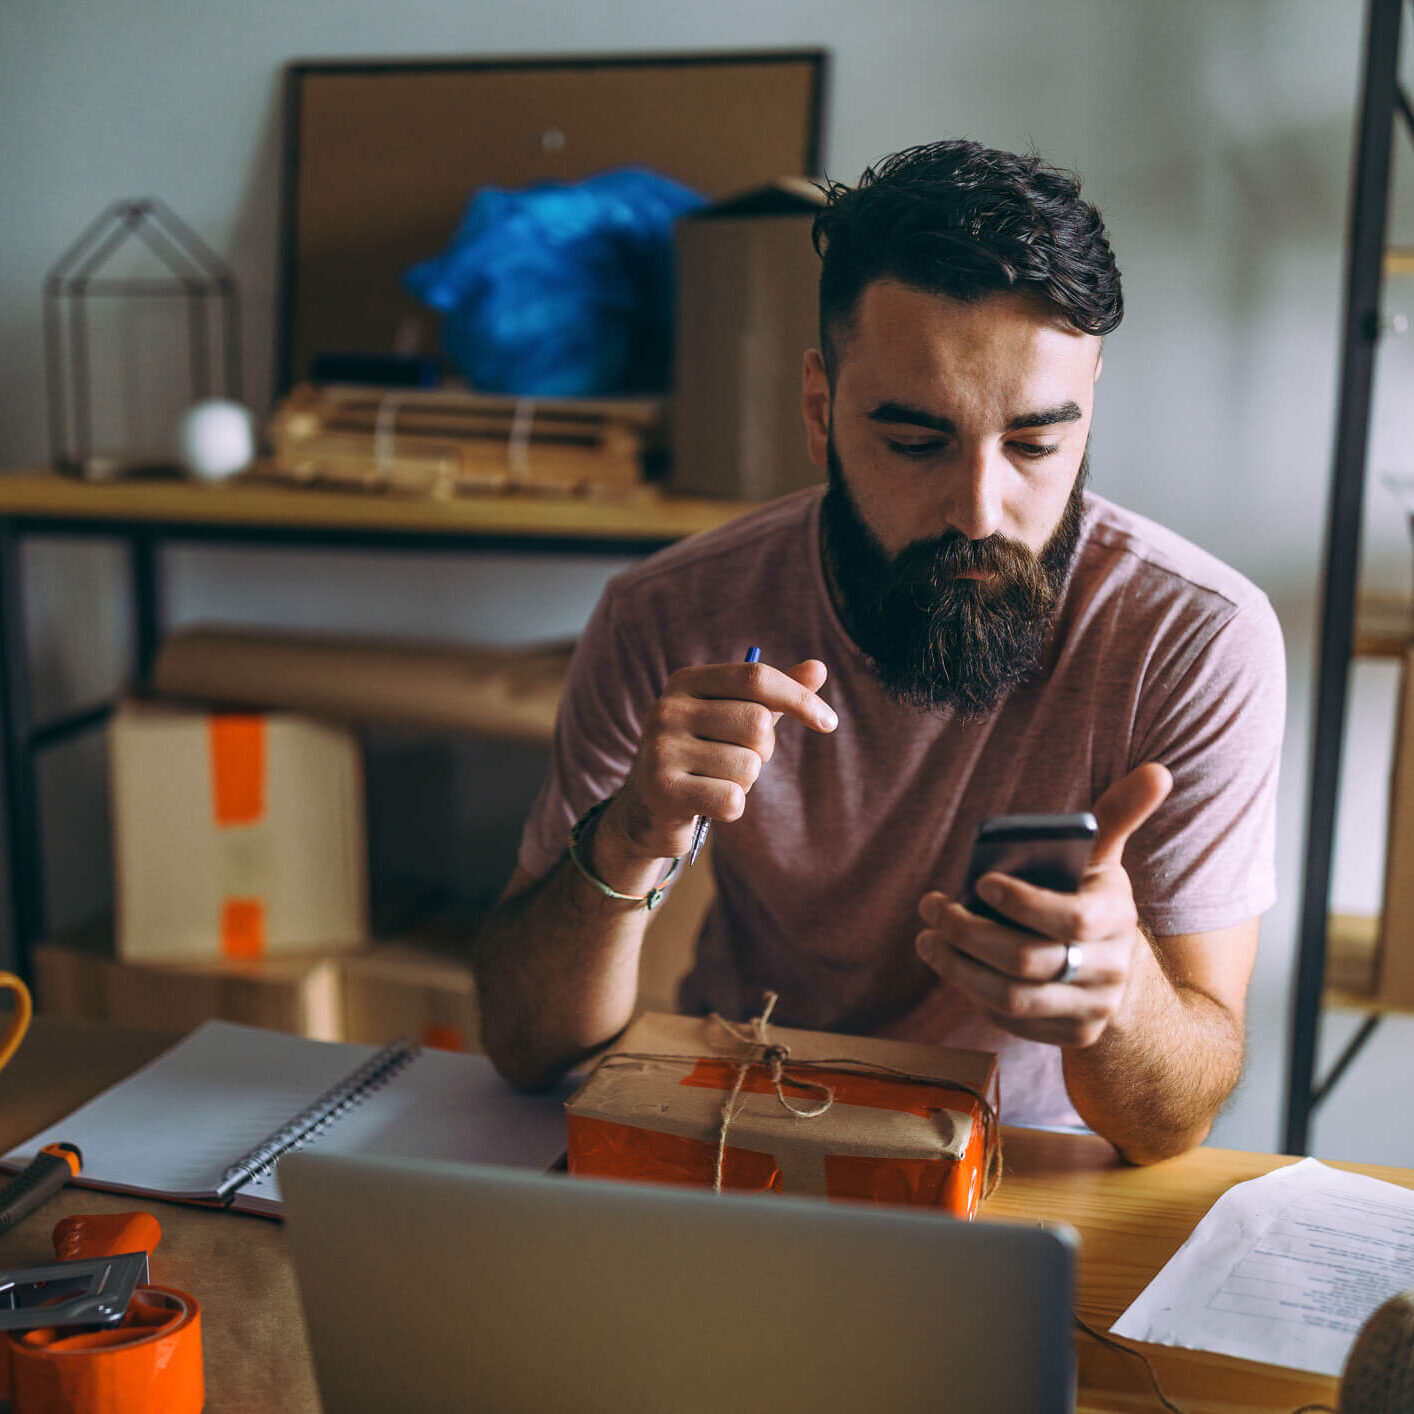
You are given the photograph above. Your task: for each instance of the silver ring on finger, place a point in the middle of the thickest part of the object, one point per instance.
(1070, 968)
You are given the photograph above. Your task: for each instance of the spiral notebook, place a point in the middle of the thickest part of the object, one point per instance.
(208, 1120)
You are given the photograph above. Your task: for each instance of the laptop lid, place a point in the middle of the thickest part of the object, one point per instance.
(434, 1286)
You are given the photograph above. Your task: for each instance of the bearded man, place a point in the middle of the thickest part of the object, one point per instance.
(952, 628)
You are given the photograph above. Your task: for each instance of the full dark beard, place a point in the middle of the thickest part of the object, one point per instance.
(936, 641)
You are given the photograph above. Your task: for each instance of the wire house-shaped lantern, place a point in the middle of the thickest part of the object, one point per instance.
(190, 272)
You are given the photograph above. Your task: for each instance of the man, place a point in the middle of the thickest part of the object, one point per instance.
(953, 629)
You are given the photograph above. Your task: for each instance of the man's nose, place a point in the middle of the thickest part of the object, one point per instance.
(973, 498)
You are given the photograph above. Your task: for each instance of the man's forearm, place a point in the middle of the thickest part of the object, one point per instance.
(1154, 1081)
(557, 965)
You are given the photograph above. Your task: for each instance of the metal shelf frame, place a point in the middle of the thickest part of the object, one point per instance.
(1383, 103)
(23, 739)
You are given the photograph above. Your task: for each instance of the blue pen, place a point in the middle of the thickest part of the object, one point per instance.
(699, 830)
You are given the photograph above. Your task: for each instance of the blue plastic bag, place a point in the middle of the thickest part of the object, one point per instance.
(562, 290)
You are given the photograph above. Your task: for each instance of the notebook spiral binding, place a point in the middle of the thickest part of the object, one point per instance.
(312, 1121)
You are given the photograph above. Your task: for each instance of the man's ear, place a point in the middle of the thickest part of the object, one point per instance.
(815, 407)
(1099, 364)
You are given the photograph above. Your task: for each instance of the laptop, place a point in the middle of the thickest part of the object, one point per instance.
(435, 1286)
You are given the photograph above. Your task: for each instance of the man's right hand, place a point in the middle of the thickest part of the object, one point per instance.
(556, 962)
(704, 743)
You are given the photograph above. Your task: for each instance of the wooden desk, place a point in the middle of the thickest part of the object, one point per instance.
(148, 515)
(1130, 1222)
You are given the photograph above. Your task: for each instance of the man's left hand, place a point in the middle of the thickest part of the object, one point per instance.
(1012, 972)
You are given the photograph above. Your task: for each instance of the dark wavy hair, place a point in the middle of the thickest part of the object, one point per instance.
(959, 219)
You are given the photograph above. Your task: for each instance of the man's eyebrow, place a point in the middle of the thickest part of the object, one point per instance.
(915, 417)
(1046, 417)
(907, 414)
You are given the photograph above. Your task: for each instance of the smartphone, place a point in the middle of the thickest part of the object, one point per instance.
(1050, 851)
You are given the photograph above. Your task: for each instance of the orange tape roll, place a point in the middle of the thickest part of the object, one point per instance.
(151, 1364)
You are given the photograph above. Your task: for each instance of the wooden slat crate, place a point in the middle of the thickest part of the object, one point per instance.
(448, 441)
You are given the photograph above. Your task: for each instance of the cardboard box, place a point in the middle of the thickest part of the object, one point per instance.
(1396, 944)
(235, 836)
(748, 281)
(418, 990)
(840, 1117)
(79, 977)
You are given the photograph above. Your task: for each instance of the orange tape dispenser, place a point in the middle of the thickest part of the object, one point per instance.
(89, 1335)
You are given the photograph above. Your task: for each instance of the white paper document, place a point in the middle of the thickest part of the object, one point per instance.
(1285, 1269)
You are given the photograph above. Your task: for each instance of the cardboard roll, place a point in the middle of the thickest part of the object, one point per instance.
(150, 1364)
(506, 693)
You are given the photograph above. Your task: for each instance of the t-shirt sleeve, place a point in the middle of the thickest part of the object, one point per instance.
(607, 695)
(1214, 715)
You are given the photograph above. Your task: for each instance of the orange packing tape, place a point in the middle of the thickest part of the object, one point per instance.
(439, 1036)
(243, 927)
(151, 1364)
(237, 769)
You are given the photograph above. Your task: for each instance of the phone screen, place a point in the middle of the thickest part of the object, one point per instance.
(1050, 851)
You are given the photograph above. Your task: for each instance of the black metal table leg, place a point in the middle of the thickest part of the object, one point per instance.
(24, 853)
(147, 604)
(1347, 1056)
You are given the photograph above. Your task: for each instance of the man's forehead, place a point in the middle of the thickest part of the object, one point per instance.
(887, 303)
(924, 350)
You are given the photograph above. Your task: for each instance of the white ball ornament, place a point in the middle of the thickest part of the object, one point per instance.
(216, 438)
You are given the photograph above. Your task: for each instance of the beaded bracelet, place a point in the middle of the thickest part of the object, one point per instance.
(650, 900)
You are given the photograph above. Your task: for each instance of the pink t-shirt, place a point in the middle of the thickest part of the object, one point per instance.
(1161, 653)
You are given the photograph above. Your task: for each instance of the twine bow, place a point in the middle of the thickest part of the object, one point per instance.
(774, 1056)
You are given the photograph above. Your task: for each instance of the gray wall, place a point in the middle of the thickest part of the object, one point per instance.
(1216, 135)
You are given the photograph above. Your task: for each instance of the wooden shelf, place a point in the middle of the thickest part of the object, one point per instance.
(1384, 627)
(1352, 965)
(1352, 941)
(1399, 260)
(644, 514)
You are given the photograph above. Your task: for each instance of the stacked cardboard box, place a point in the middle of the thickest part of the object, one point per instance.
(419, 990)
(236, 836)
(80, 977)
(239, 842)
(419, 987)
